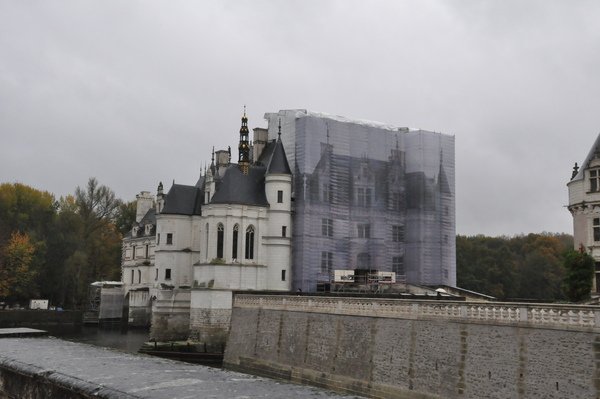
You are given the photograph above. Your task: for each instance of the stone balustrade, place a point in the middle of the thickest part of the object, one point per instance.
(572, 317)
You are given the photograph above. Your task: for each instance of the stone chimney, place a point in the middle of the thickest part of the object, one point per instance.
(261, 138)
(223, 157)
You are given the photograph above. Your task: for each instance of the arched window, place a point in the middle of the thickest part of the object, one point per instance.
(132, 274)
(234, 247)
(220, 240)
(250, 242)
(363, 261)
(139, 276)
(206, 247)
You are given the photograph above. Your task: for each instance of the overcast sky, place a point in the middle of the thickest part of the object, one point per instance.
(137, 92)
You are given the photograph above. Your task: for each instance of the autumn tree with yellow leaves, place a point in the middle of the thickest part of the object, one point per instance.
(54, 249)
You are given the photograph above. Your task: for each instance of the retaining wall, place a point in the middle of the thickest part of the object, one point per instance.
(419, 349)
(39, 318)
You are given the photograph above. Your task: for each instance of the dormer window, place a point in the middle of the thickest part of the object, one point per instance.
(594, 180)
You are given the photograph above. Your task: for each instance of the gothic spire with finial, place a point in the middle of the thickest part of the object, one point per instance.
(244, 146)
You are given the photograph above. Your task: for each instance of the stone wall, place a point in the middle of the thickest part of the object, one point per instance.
(140, 308)
(413, 353)
(210, 317)
(171, 315)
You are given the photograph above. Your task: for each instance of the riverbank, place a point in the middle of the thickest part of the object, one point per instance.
(41, 319)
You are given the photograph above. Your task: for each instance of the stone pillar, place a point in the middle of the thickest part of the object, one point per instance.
(171, 315)
(210, 317)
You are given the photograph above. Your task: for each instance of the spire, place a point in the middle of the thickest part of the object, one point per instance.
(279, 131)
(278, 164)
(212, 158)
(244, 146)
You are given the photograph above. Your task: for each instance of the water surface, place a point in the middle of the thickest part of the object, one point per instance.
(125, 340)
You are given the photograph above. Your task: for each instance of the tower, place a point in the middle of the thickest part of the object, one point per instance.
(584, 205)
(278, 189)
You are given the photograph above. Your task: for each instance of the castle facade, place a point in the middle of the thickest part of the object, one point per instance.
(310, 194)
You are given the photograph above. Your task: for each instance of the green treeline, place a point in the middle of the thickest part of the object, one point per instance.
(53, 249)
(532, 266)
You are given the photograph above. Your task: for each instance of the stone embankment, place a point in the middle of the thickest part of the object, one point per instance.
(386, 348)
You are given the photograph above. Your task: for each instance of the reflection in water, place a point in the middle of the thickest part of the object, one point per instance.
(126, 340)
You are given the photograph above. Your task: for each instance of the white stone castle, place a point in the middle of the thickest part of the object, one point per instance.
(311, 194)
(584, 205)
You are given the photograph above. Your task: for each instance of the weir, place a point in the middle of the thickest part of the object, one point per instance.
(385, 348)
(52, 368)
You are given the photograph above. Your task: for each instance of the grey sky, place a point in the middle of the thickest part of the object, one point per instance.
(135, 92)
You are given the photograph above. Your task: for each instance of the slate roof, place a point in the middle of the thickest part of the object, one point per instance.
(278, 163)
(200, 182)
(233, 187)
(265, 156)
(183, 200)
(237, 188)
(149, 217)
(594, 152)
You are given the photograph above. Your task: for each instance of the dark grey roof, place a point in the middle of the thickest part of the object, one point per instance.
(200, 182)
(594, 152)
(149, 217)
(278, 163)
(237, 188)
(265, 155)
(183, 200)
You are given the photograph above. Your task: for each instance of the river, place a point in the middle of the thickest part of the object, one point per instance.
(125, 340)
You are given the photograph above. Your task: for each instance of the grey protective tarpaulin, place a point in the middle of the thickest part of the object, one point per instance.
(368, 196)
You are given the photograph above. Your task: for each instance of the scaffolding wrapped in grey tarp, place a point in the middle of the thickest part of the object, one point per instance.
(368, 196)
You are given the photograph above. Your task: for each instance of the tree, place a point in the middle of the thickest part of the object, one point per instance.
(524, 266)
(24, 209)
(65, 238)
(97, 205)
(125, 216)
(16, 272)
(57, 248)
(98, 253)
(580, 272)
